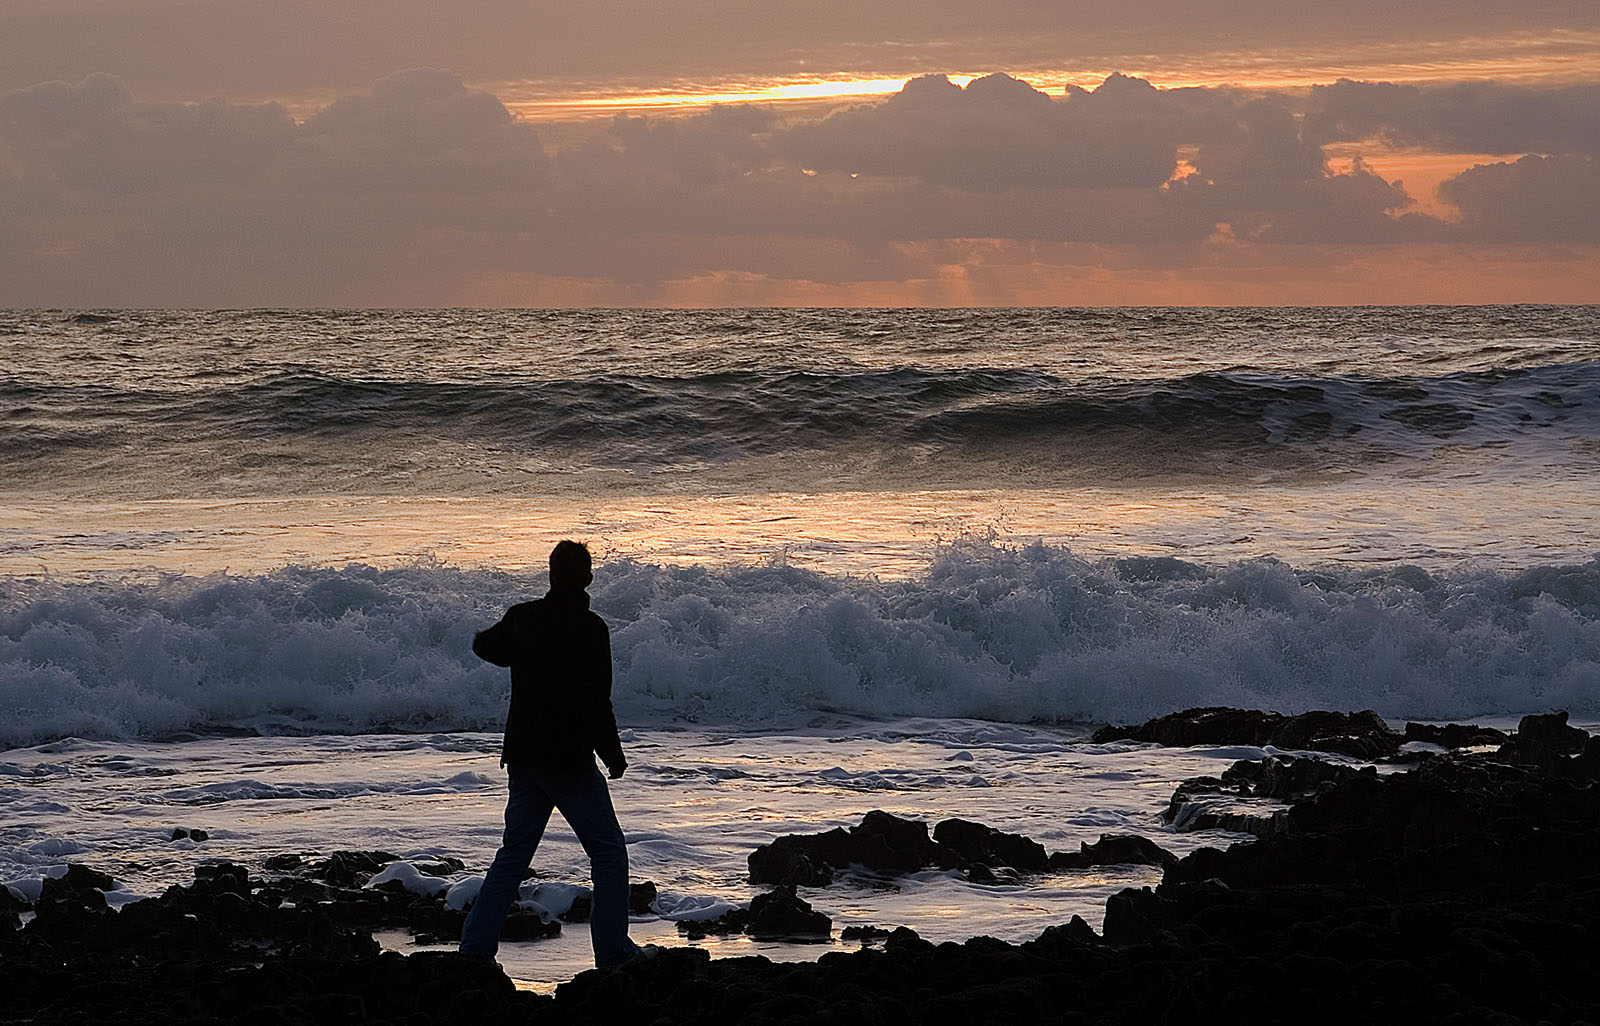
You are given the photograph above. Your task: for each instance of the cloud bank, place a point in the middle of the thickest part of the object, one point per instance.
(426, 191)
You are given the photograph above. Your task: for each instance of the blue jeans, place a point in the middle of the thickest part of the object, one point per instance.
(585, 803)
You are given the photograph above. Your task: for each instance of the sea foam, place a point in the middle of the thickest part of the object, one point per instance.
(1015, 634)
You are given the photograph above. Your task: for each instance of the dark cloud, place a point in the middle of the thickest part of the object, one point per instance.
(1534, 199)
(94, 136)
(996, 133)
(420, 130)
(288, 48)
(422, 179)
(1466, 117)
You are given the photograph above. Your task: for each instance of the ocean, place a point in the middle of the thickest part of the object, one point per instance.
(851, 559)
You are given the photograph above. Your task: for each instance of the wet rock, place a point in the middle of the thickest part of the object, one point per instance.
(81, 890)
(11, 909)
(800, 859)
(1550, 743)
(523, 925)
(1362, 734)
(1454, 735)
(1246, 798)
(1114, 850)
(442, 866)
(1553, 732)
(642, 898)
(222, 876)
(1075, 933)
(780, 914)
(882, 843)
(732, 921)
(1464, 890)
(864, 934)
(350, 868)
(641, 901)
(975, 842)
(1137, 916)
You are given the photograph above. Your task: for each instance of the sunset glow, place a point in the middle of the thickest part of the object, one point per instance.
(628, 157)
(1549, 58)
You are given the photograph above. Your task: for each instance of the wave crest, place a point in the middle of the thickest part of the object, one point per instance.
(1030, 634)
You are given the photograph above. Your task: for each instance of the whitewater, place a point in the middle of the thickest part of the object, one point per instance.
(850, 559)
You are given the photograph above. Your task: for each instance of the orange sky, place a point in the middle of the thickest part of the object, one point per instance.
(705, 152)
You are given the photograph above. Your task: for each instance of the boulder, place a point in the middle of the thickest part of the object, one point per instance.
(975, 842)
(881, 843)
(1455, 735)
(781, 914)
(1114, 850)
(1361, 734)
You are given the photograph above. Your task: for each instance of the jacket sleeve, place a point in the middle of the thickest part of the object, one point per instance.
(603, 719)
(495, 644)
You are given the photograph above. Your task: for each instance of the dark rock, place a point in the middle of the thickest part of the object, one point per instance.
(865, 934)
(11, 909)
(1461, 891)
(443, 866)
(192, 833)
(642, 898)
(287, 863)
(889, 844)
(800, 859)
(350, 868)
(1361, 734)
(523, 924)
(1290, 779)
(222, 876)
(1553, 732)
(1075, 933)
(975, 842)
(1114, 850)
(904, 938)
(1137, 916)
(732, 921)
(1454, 735)
(1211, 725)
(1245, 799)
(81, 878)
(780, 914)
(882, 843)
(1547, 741)
(81, 890)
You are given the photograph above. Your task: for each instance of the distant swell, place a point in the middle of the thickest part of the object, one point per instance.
(1022, 635)
(655, 423)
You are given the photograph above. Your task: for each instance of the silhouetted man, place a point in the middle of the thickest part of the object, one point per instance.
(560, 658)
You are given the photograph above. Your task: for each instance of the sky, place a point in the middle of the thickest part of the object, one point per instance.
(247, 153)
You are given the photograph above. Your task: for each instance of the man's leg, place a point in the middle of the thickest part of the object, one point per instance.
(527, 811)
(585, 803)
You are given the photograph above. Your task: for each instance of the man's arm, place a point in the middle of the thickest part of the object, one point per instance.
(494, 645)
(607, 740)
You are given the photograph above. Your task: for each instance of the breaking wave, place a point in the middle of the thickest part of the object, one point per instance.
(1029, 634)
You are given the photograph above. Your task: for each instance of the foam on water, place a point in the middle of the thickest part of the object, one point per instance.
(1010, 634)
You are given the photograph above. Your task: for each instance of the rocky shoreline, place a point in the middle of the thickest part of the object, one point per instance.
(1462, 886)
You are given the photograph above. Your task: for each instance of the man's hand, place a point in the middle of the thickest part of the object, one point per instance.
(618, 770)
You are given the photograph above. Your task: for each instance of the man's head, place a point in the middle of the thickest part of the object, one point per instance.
(570, 566)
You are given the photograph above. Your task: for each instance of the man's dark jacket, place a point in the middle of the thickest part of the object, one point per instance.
(560, 658)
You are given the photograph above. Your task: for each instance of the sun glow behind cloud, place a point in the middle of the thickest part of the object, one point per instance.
(516, 96)
(1547, 58)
